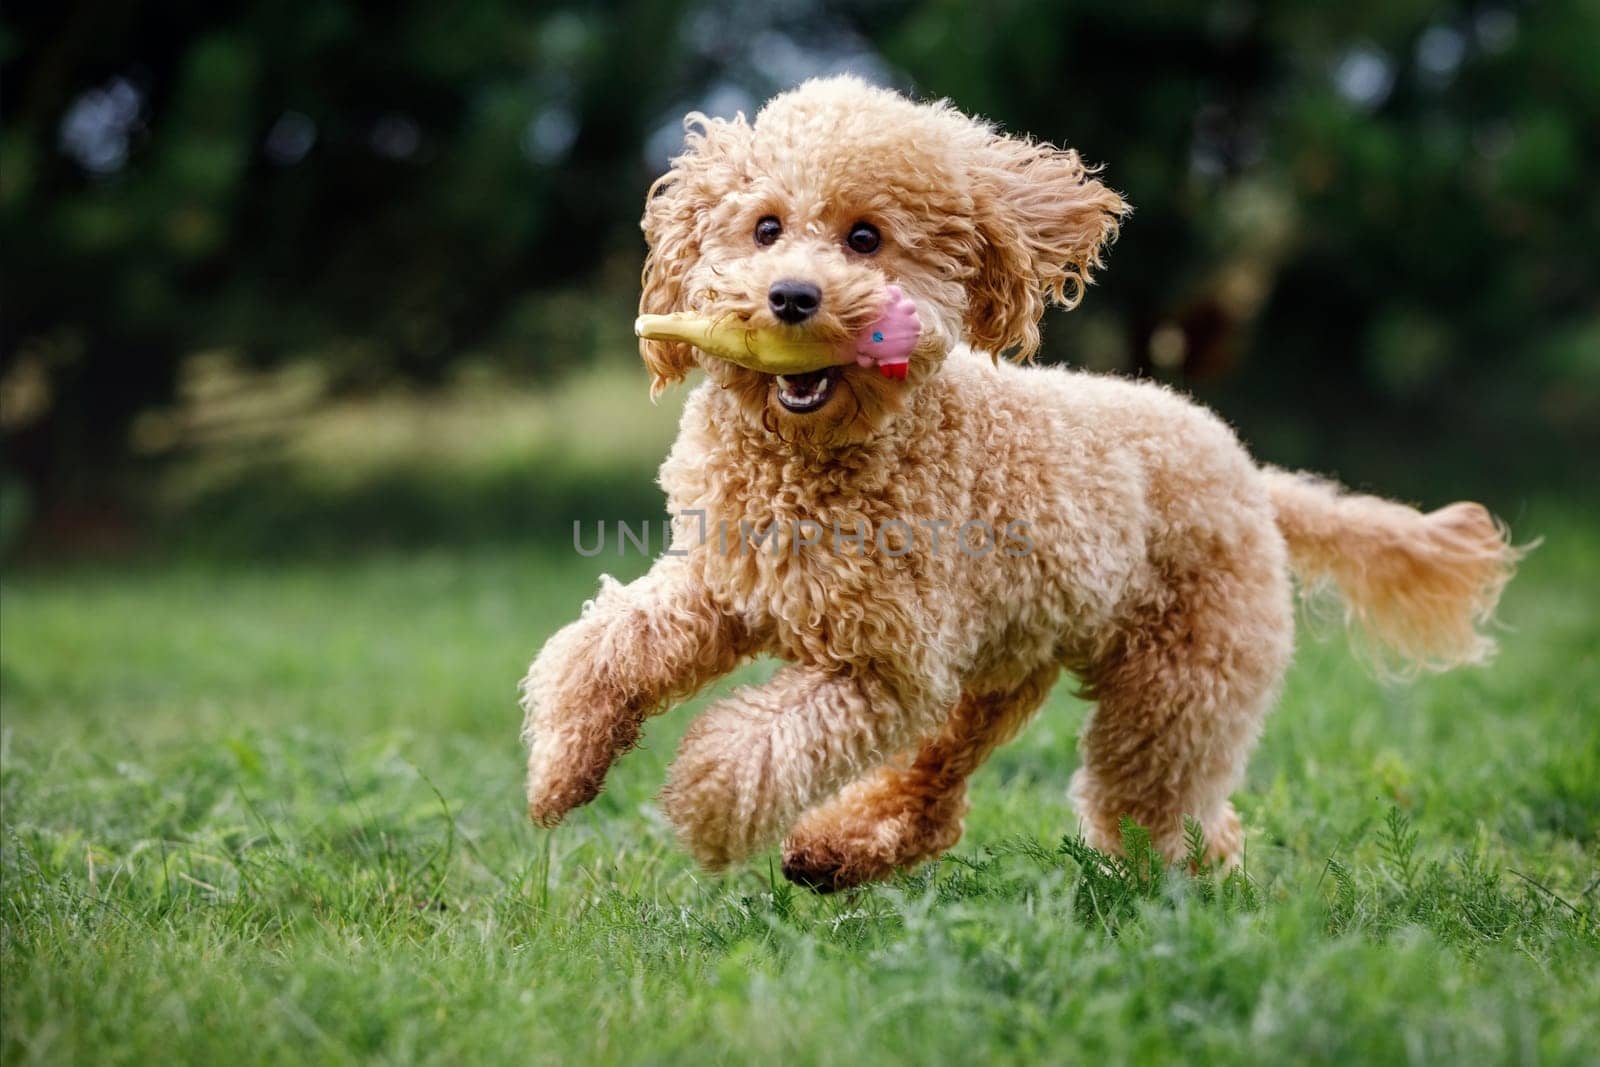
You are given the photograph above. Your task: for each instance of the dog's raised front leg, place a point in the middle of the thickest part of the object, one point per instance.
(750, 765)
(635, 648)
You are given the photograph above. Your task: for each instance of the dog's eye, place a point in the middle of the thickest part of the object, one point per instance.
(768, 230)
(863, 238)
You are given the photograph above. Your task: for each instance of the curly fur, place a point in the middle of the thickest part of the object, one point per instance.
(1159, 554)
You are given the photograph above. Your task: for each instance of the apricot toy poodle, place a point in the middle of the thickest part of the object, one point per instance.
(929, 536)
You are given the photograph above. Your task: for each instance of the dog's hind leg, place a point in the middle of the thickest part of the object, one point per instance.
(907, 812)
(1180, 702)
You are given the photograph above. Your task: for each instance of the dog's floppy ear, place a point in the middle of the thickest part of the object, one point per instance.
(1042, 220)
(674, 221)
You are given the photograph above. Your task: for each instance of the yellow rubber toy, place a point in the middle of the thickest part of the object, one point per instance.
(767, 351)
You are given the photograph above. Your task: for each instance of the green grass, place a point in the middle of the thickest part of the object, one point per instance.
(271, 812)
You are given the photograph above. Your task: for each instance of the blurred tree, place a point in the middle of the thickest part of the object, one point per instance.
(377, 184)
(1376, 208)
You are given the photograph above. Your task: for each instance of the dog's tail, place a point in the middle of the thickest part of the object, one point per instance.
(1420, 587)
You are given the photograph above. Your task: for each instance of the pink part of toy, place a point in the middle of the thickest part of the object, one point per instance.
(888, 341)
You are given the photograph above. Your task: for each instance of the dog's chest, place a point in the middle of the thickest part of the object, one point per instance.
(821, 560)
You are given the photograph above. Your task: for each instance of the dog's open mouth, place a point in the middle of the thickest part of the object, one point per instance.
(800, 393)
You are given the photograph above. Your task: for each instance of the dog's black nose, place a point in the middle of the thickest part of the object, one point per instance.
(794, 302)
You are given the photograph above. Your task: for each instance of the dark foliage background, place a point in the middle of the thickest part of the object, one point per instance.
(1358, 225)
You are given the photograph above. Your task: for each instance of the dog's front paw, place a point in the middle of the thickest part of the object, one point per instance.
(567, 767)
(549, 799)
(825, 865)
(718, 792)
(870, 832)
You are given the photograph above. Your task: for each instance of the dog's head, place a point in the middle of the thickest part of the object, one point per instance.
(800, 220)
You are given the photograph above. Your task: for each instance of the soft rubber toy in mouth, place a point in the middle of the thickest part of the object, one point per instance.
(887, 342)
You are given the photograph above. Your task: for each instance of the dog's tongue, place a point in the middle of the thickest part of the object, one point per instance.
(809, 382)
